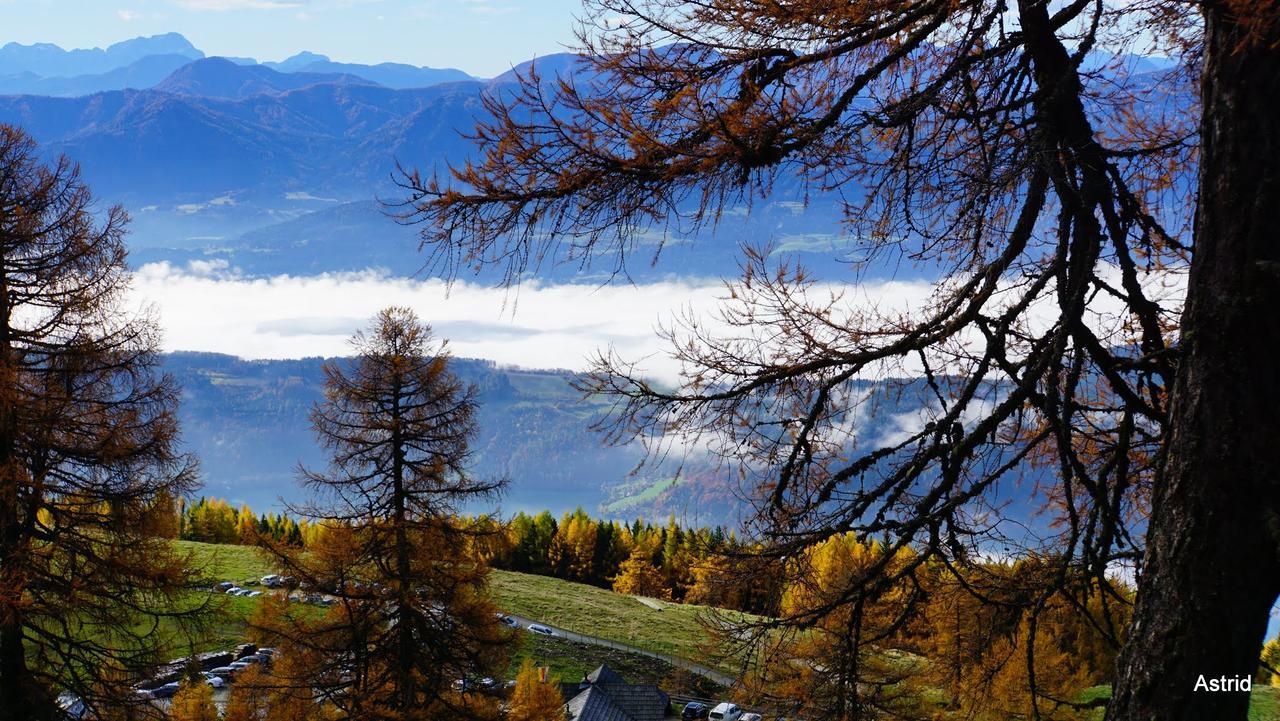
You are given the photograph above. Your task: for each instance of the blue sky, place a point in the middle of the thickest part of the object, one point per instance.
(482, 37)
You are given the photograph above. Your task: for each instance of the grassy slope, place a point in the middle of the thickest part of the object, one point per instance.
(571, 661)
(1264, 705)
(226, 563)
(639, 493)
(675, 630)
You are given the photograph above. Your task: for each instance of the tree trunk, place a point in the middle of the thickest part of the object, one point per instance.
(13, 666)
(1212, 568)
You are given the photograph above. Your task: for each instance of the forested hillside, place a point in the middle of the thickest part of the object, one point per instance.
(248, 423)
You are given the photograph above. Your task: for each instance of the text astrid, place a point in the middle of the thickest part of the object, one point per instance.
(1240, 684)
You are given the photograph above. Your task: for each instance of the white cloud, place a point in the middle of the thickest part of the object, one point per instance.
(205, 306)
(127, 15)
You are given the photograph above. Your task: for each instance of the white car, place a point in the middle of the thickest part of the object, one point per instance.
(725, 711)
(214, 681)
(751, 717)
(540, 629)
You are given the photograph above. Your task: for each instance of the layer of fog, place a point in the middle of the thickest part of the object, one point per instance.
(205, 307)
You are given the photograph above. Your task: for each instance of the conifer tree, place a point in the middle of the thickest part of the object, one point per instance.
(193, 702)
(412, 616)
(87, 449)
(533, 698)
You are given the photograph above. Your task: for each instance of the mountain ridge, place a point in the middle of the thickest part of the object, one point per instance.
(46, 68)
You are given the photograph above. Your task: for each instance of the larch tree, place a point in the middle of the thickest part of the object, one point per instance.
(637, 576)
(193, 702)
(535, 698)
(88, 464)
(412, 616)
(1102, 324)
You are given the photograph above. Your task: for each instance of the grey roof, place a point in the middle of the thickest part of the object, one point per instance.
(606, 696)
(642, 702)
(595, 705)
(603, 674)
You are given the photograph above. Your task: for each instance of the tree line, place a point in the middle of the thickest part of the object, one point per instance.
(213, 520)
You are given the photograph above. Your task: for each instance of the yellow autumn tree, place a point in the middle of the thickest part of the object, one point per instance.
(534, 699)
(1271, 657)
(637, 576)
(193, 702)
(814, 668)
(573, 549)
(246, 525)
(249, 697)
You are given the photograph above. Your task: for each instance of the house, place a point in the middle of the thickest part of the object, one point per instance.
(603, 695)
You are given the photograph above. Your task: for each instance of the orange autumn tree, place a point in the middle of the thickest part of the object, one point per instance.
(89, 459)
(193, 702)
(836, 667)
(412, 615)
(1102, 241)
(637, 576)
(533, 698)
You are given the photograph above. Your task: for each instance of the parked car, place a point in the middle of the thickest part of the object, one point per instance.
(224, 672)
(213, 680)
(751, 717)
(725, 711)
(165, 691)
(253, 594)
(508, 620)
(225, 586)
(539, 628)
(694, 711)
(73, 707)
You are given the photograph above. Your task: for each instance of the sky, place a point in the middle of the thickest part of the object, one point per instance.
(482, 37)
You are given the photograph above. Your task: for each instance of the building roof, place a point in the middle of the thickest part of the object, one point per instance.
(603, 674)
(606, 696)
(641, 702)
(594, 705)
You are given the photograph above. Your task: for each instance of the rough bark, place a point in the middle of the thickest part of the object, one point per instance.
(1212, 568)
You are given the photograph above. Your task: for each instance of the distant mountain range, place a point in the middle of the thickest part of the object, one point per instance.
(391, 75)
(278, 167)
(280, 172)
(50, 61)
(141, 63)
